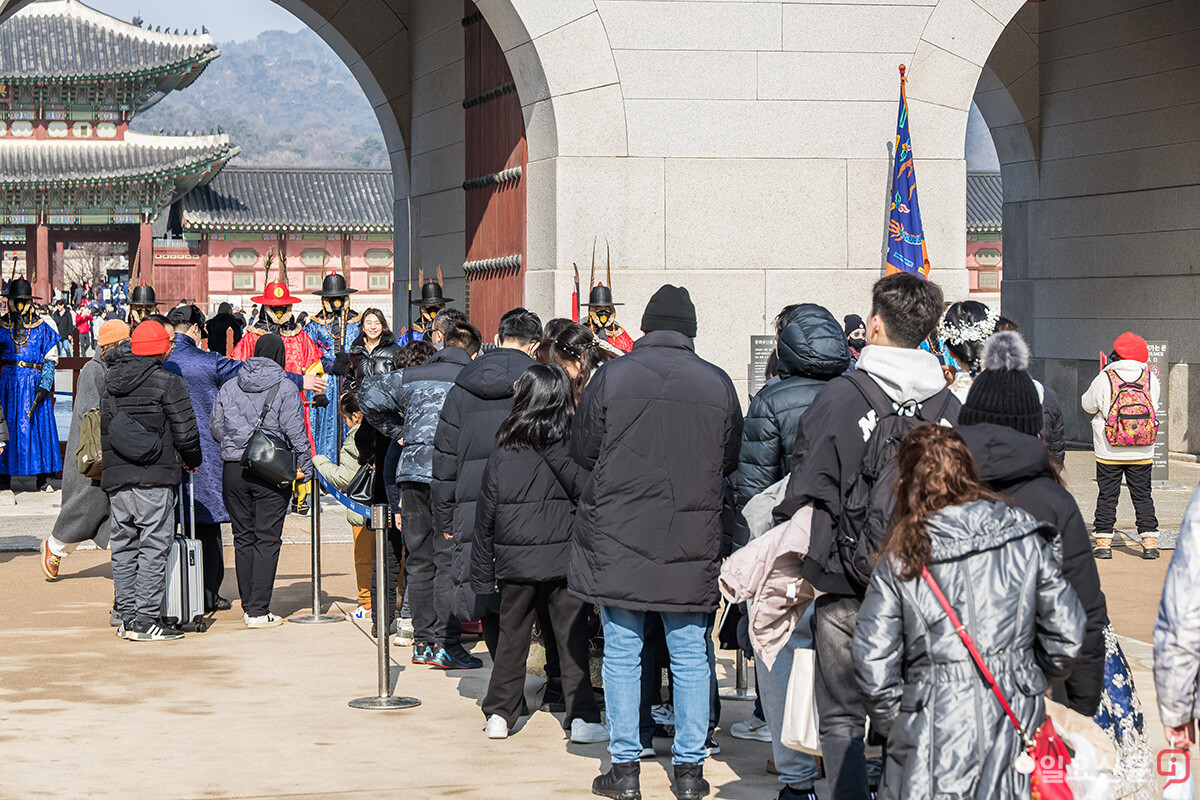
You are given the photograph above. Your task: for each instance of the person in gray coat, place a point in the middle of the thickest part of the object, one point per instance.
(256, 508)
(84, 514)
(1177, 636)
(947, 734)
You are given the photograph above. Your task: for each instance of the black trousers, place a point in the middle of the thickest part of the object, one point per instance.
(1137, 478)
(427, 571)
(568, 618)
(394, 545)
(256, 512)
(209, 534)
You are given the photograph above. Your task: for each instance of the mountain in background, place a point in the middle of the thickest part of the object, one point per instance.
(285, 98)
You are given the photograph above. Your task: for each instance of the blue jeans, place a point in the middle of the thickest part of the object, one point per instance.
(691, 671)
(796, 769)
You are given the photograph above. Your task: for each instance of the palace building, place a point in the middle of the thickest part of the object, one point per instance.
(71, 79)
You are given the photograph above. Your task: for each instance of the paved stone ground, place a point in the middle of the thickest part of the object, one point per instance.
(234, 713)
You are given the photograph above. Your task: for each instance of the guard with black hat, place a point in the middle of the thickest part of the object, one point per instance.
(602, 310)
(431, 304)
(331, 329)
(28, 357)
(142, 304)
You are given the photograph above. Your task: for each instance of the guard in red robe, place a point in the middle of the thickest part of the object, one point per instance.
(301, 353)
(602, 318)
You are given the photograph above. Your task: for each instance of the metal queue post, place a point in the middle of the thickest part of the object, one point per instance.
(741, 688)
(316, 617)
(384, 700)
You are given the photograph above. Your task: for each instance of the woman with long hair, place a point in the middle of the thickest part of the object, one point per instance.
(580, 353)
(998, 568)
(522, 538)
(553, 328)
(964, 329)
(375, 348)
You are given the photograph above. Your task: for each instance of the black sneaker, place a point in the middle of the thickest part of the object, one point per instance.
(421, 653)
(711, 746)
(141, 631)
(114, 618)
(453, 657)
(788, 793)
(689, 783)
(1102, 552)
(1150, 553)
(621, 782)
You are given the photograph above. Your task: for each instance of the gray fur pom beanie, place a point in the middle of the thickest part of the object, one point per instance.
(1004, 394)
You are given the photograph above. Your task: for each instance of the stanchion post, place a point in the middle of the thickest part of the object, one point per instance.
(384, 700)
(741, 689)
(316, 617)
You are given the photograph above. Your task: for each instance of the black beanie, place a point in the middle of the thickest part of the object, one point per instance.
(670, 309)
(1003, 393)
(270, 345)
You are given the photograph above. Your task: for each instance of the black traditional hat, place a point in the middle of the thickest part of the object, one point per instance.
(143, 296)
(431, 295)
(334, 285)
(601, 295)
(20, 289)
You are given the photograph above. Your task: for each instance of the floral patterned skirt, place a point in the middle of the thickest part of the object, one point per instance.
(1120, 716)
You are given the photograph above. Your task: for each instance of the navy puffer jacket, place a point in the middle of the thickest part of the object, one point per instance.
(812, 351)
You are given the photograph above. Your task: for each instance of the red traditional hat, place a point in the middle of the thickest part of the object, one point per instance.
(276, 294)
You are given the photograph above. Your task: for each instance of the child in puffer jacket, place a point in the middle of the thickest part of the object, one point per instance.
(340, 475)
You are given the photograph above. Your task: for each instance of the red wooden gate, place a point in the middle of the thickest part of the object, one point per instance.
(496, 157)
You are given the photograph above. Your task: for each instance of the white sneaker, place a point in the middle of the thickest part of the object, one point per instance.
(265, 621)
(496, 728)
(404, 633)
(751, 728)
(662, 714)
(361, 613)
(588, 732)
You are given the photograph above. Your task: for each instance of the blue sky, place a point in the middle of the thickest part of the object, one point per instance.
(227, 20)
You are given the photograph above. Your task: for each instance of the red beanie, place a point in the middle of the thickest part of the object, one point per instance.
(1131, 347)
(150, 339)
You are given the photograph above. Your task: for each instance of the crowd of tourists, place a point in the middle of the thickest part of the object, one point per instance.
(888, 524)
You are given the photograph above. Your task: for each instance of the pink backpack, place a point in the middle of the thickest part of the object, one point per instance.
(1132, 420)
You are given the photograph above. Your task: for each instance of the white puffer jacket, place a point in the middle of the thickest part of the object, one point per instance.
(1097, 399)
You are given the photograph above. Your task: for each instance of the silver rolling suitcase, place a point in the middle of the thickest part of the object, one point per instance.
(183, 601)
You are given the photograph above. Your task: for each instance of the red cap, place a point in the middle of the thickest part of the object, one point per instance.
(1131, 347)
(150, 339)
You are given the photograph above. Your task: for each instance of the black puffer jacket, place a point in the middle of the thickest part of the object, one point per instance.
(466, 435)
(158, 400)
(812, 351)
(1053, 430)
(378, 361)
(1018, 467)
(524, 515)
(659, 429)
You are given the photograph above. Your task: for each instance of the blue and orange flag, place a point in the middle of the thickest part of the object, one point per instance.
(906, 237)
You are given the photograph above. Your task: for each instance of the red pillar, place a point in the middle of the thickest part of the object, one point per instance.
(38, 262)
(146, 261)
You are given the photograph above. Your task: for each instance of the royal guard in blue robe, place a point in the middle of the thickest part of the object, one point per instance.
(28, 357)
(431, 304)
(331, 329)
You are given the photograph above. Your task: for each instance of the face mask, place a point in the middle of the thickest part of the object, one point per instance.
(20, 306)
(281, 313)
(333, 305)
(429, 314)
(857, 342)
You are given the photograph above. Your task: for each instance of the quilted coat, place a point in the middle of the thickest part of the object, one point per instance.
(948, 736)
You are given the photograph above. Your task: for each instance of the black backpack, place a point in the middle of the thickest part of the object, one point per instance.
(870, 502)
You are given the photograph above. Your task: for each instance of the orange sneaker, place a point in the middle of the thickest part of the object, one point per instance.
(50, 561)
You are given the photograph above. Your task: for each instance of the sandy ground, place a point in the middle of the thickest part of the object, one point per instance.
(235, 713)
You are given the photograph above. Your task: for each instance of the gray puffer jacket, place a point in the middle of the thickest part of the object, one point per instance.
(240, 402)
(1177, 631)
(948, 736)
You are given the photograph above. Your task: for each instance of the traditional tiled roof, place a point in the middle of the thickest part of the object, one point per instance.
(64, 38)
(985, 201)
(51, 161)
(283, 199)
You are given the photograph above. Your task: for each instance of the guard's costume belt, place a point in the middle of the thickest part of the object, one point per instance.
(27, 364)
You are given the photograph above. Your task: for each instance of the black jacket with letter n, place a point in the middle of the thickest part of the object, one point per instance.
(158, 400)
(659, 429)
(1018, 467)
(524, 515)
(831, 443)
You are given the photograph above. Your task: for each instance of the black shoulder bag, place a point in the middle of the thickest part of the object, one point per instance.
(267, 456)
